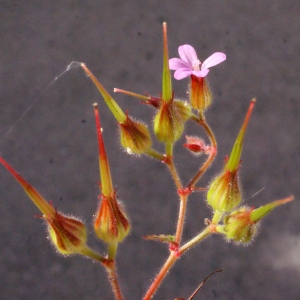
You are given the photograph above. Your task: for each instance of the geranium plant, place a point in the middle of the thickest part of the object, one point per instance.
(230, 217)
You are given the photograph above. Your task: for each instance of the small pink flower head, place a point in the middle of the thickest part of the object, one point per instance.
(189, 64)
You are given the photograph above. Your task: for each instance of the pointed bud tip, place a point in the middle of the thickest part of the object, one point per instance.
(260, 212)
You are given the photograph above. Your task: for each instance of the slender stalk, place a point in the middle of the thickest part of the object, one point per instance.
(169, 149)
(217, 217)
(183, 196)
(139, 96)
(109, 265)
(160, 276)
(113, 279)
(112, 250)
(173, 257)
(202, 283)
(212, 155)
(201, 236)
(171, 166)
(181, 217)
(153, 153)
(86, 251)
(204, 167)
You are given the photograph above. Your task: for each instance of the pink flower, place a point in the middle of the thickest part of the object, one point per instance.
(189, 64)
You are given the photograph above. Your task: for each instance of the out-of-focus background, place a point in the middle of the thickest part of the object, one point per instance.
(54, 145)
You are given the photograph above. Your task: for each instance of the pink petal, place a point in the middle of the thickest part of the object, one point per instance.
(213, 60)
(177, 63)
(201, 73)
(188, 54)
(182, 73)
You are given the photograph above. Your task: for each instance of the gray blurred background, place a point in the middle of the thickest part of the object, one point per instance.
(54, 146)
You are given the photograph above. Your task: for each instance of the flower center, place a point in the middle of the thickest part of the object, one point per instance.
(196, 63)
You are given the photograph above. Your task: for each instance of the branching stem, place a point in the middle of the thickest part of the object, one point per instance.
(212, 155)
(184, 193)
(181, 217)
(198, 238)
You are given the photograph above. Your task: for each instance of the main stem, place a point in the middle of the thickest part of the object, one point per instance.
(174, 256)
(183, 203)
(183, 197)
(160, 276)
(181, 217)
(113, 279)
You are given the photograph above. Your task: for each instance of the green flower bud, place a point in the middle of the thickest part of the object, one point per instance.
(241, 225)
(238, 226)
(224, 192)
(68, 234)
(135, 137)
(169, 120)
(111, 224)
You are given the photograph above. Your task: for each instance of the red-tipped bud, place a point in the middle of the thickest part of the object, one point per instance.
(111, 224)
(197, 145)
(224, 192)
(111, 103)
(135, 137)
(200, 95)
(68, 234)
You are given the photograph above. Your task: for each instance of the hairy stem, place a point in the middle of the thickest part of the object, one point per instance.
(181, 217)
(113, 280)
(183, 203)
(212, 155)
(86, 251)
(153, 153)
(174, 256)
(175, 176)
(160, 276)
(201, 236)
